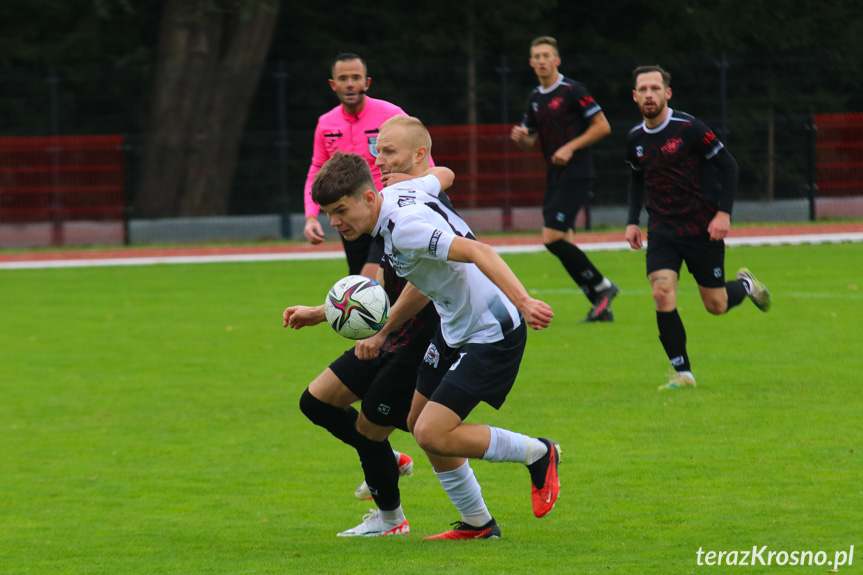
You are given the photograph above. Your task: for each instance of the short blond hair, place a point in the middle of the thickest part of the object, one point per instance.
(416, 134)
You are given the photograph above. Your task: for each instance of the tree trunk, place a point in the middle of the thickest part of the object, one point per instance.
(210, 62)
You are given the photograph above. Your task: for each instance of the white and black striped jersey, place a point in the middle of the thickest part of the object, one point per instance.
(418, 225)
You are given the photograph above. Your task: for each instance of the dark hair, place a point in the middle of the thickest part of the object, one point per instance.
(347, 57)
(666, 77)
(340, 176)
(545, 40)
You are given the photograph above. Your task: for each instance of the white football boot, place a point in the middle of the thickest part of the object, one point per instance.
(374, 525)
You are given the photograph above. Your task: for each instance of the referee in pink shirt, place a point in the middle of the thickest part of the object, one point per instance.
(352, 126)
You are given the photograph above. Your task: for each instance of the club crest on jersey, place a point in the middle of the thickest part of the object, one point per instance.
(373, 142)
(432, 356)
(672, 146)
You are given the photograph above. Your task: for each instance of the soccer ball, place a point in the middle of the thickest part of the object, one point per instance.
(357, 307)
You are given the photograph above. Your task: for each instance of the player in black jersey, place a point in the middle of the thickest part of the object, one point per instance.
(385, 381)
(673, 157)
(566, 120)
(385, 384)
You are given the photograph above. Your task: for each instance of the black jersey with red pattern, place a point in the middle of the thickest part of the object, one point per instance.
(679, 186)
(412, 337)
(561, 113)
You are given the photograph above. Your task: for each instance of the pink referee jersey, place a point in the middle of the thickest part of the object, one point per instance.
(358, 133)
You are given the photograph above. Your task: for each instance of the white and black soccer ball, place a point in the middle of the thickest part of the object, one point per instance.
(357, 307)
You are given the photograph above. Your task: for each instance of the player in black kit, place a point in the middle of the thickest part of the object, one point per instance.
(673, 156)
(385, 384)
(565, 118)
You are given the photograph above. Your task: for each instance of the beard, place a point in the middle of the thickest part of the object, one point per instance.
(654, 112)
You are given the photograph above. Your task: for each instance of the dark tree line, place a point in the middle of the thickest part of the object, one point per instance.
(195, 65)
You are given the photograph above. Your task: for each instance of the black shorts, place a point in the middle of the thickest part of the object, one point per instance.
(385, 385)
(705, 259)
(563, 200)
(363, 250)
(459, 378)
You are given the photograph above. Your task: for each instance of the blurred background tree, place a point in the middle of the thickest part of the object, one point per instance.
(190, 81)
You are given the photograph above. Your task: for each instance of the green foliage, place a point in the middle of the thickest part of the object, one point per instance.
(97, 57)
(77, 32)
(150, 425)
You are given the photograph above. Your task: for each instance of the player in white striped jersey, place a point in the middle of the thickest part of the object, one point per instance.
(484, 311)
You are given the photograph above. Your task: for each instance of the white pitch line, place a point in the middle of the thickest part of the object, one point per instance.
(275, 257)
(646, 292)
(587, 247)
(148, 261)
(796, 239)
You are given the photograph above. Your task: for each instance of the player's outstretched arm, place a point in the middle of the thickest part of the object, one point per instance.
(300, 316)
(444, 175)
(409, 303)
(394, 178)
(537, 313)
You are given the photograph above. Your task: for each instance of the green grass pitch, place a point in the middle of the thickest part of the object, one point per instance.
(150, 425)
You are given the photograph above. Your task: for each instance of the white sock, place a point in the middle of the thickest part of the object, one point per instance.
(508, 445)
(604, 284)
(465, 493)
(396, 515)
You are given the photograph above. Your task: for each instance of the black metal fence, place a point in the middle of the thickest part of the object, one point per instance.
(760, 104)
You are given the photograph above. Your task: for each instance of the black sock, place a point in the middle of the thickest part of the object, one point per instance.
(578, 266)
(379, 465)
(382, 474)
(737, 291)
(672, 334)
